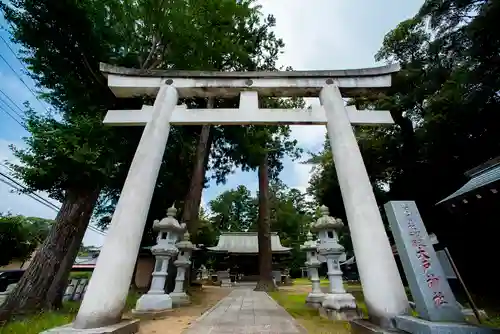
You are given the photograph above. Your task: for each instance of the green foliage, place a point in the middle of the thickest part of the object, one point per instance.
(234, 210)
(19, 236)
(63, 44)
(444, 102)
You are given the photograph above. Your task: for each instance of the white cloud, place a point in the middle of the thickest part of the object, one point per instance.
(326, 35)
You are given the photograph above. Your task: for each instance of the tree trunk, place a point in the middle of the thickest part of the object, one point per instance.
(60, 282)
(192, 202)
(193, 199)
(265, 282)
(409, 153)
(133, 285)
(31, 291)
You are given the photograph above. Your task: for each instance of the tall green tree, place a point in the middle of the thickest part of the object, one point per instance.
(233, 210)
(63, 44)
(20, 236)
(444, 102)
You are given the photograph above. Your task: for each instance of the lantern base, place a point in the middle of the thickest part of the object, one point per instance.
(315, 300)
(339, 306)
(150, 302)
(179, 298)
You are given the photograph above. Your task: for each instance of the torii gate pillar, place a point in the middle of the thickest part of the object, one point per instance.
(108, 288)
(382, 287)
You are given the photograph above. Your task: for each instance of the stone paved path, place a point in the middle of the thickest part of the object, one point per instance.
(245, 311)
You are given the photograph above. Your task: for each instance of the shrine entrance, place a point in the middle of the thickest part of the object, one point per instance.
(239, 252)
(382, 287)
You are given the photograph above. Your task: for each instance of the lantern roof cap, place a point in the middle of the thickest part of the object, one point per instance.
(326, 222)
(169, 223)
(185, 244)
(309, 244)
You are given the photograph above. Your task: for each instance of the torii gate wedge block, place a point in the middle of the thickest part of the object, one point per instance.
(384, 293)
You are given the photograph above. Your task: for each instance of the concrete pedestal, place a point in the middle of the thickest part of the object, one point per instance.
(123, 327)
(226, 283)
(420, 326)
(339, 306)
(362, 326)
(180, 298)
(315, 300)
(151, 302)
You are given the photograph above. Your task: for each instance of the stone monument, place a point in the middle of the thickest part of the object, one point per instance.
(438, 310)
(316, 296)
(338, 304)
(224, 278)
(5, 294)
(157, 300)
(185, 247)
(204, 272)
(276, 277)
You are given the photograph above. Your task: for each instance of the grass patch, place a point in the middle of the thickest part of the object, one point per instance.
(294, 303)
(306, 281)
(39, 322)
(493, 321)
(36, 323)
(80, 274)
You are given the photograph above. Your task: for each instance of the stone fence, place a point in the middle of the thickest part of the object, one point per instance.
(74, 292)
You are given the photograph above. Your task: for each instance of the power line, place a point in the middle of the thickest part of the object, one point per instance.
(48, 204)
(15, 119)
(22, 64)
(24, 83)
(29, 195)
(12, 51)
(14, 103)
(11, 109)
(23, 189)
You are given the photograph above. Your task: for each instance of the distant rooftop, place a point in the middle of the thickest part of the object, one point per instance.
(245, 243)
(480, 176)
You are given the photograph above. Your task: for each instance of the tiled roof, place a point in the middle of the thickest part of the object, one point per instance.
(477, 181)
(245, 243)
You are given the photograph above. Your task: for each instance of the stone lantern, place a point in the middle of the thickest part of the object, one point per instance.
(185, 247)
(169, 230)
(337, 304)
(316, 296)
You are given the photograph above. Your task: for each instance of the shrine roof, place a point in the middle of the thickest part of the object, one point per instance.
(246, 243)
(361, 72)
(479, 177)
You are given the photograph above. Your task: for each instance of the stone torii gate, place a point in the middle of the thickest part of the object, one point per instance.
(382, 287)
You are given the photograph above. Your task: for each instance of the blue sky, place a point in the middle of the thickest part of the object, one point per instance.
(319, 35)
